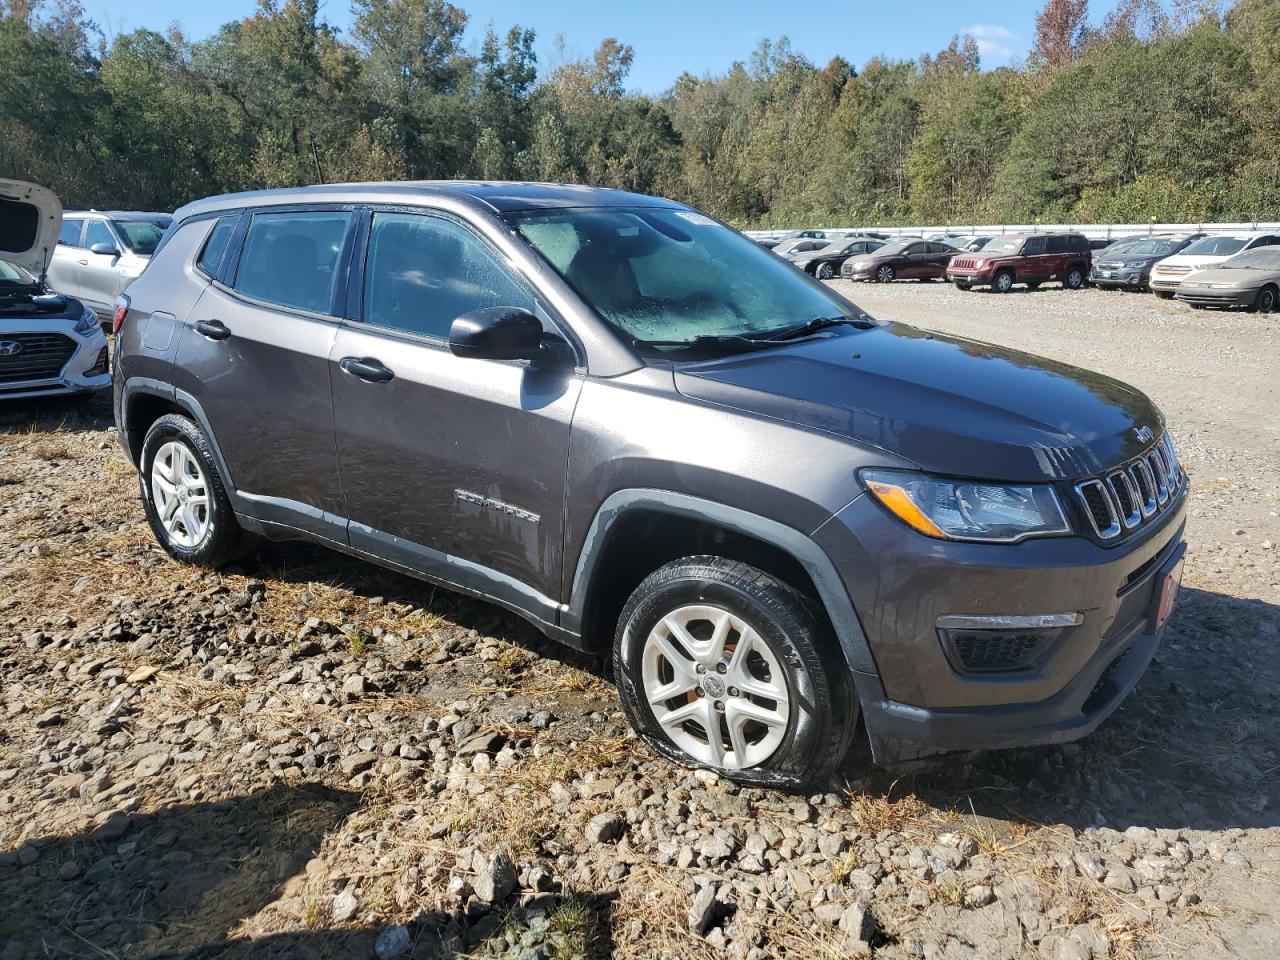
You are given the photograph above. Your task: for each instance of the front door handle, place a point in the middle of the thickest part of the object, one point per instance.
(213, 329)
(367, 369)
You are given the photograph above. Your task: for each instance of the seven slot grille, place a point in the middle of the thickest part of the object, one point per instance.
(1127, 498)
(42, 357)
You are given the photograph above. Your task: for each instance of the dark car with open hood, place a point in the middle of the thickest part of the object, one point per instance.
(652, 438)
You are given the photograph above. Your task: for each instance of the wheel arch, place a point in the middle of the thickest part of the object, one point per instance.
(144, 401)
(636, 531)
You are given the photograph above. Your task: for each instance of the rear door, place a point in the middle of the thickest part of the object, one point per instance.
(452, 467)
(254, 353)
(64, 266)
(940, 255)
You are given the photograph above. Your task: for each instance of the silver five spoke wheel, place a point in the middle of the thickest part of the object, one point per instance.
(716, 687)
(181, 494)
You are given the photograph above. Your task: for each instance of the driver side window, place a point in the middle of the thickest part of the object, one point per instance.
(423, 272)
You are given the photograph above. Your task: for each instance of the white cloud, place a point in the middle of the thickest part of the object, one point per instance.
(994, 42)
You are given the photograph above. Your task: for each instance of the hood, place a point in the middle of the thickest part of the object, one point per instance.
(30, 221)
(952, 406)
(1196, 261)
(1236, 276)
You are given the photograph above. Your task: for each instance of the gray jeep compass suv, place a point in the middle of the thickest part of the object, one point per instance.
(650, 436)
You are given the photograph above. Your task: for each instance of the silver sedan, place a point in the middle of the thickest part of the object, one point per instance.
(1250, 279)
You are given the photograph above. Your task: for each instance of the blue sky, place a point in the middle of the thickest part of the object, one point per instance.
(671, 36)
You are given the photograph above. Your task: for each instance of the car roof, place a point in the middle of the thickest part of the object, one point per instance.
(116, 214)
(496, 196)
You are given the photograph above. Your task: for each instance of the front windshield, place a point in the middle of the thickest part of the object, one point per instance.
(1152, 248)
(665, 277)
(142, 236)
(1215, 247)
(1263, 258)
(1003, 245)
(13, 275)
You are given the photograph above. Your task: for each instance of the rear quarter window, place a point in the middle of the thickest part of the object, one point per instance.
(215, 247)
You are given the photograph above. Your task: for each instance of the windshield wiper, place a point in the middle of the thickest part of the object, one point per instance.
(814, 325)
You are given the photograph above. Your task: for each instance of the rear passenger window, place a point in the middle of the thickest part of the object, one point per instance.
(423, 272)
(1058, 245)
(291, 259)
(216, 245)
(70, 235)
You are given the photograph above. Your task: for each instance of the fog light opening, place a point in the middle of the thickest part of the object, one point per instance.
(1002, 644)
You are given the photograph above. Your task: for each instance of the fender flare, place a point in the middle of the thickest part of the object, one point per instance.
(826, 579)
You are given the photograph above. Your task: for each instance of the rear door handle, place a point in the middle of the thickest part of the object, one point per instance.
(367, 369)
(213, 329)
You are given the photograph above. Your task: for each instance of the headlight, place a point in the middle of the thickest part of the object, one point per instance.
(88, 322)
(979, 264)
(968, 509)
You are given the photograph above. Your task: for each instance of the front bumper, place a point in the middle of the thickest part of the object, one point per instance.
(86, 370)
(1164, 284)
(971, 278)
(901, 583)
(1207, 297)
(1115, 279)
(867, 274)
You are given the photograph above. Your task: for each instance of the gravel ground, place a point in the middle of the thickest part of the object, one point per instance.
(303, 756)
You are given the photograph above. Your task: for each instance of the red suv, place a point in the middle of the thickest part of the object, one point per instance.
(1029, 258)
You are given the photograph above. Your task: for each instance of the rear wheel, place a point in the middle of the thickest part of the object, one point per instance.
(1003, 282)
(824, 271)
(885, 273)
(182, 494)
(1265, 302)
(721, 666)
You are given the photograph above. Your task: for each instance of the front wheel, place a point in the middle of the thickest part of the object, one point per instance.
(886, 274)
(182, 494)
(1003, 282)
(1074, 279)
(721, 666)
(1164, 294)
(824, 271)
(1265, 302)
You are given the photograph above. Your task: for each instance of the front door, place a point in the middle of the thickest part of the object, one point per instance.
(451, 467)
(1035, 265)
(99, 275)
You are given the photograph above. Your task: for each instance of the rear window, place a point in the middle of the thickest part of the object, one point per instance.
(216, 245)
(291, 259)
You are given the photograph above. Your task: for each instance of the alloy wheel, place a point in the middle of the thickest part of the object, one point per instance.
(181, 494)
(884, 274)
(716, 687)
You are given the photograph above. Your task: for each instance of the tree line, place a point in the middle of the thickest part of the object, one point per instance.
(1169, 109)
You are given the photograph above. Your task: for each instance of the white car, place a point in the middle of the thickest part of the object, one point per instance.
(1168, 274)
(50, 344)
(99, 253)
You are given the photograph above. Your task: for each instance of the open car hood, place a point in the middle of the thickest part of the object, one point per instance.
(30, 221)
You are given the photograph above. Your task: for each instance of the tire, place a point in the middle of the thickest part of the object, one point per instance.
(1002, 282)
(1073, 279)
(886, 274)
(823, 271)
(186, 464)
(1265, 302)
(790, 648)
(1164, 294)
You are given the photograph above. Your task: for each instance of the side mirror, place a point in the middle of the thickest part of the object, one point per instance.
(105, 249)
(497, 333)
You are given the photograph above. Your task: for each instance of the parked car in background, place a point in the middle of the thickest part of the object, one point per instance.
(1209, 251)
(630, 425)
(50, 344)
(1030, 258)
(100, 253)
(824, 263)
(1128, 264)
(770, 243)
(1250, 279)
(789, 248)
(970, 244)
(901, 260)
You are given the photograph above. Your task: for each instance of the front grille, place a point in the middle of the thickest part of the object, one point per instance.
(993, 651)
(964, 263)
(1173, 270)
(41, 356)
(1133, 495)
(1109, 265)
